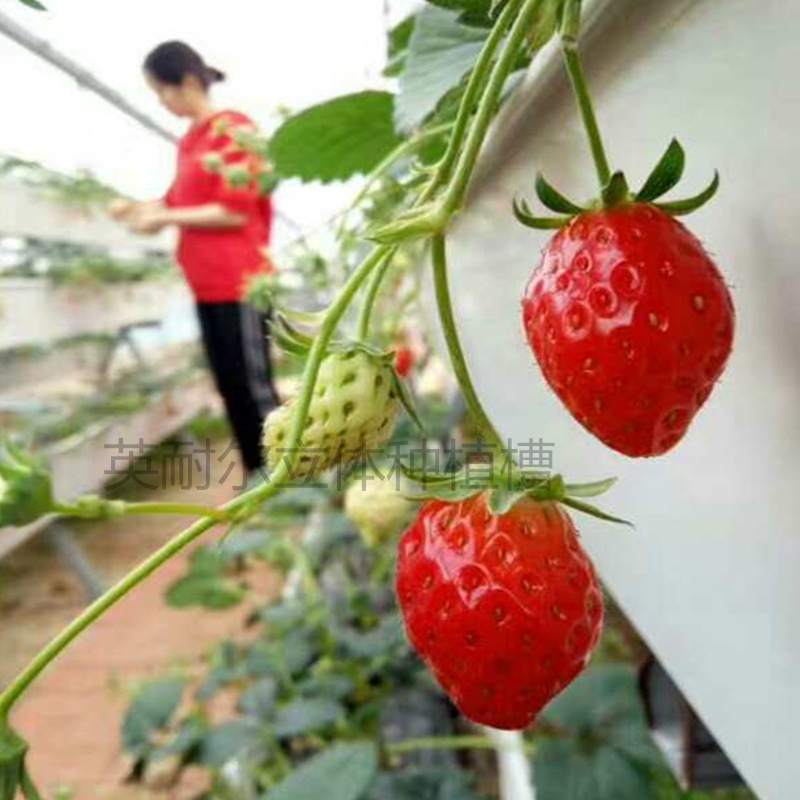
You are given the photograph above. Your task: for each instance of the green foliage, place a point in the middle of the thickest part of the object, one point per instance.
(343, 772)
(425, 784)
(34, 4)
(598, 745)
(26, 488)
(14, 776)
(237, 738)
(91, 270)
(398, 40)
(149, 716)
(83, 189)
(471, 12)
(206, 585)
(441, 51)
(333, 141)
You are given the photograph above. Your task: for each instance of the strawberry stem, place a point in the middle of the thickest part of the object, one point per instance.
(457, 189)
(569, 45)
(457, 359)
(373, 287)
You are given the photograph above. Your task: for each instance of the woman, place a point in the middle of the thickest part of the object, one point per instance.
(223, 234)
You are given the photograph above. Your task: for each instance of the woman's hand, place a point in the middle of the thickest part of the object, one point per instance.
(147, 222)
(120, 208)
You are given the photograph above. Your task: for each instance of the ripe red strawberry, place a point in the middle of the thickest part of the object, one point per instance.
(631, 324)
(505, 610)
(404, 361)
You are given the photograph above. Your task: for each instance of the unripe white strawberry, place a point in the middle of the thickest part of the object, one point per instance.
(378, 509)
(354, 407)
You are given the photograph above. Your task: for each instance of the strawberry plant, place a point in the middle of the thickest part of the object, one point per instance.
(496, 592)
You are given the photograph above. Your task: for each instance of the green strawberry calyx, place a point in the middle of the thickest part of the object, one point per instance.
(616, 193)
(507, 486)
(298, 343)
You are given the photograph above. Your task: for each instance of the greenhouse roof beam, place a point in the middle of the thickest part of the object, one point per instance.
(84, 77)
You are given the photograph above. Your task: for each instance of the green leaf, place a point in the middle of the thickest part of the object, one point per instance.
(440, 53)
(343, 772)
(553, 199)
(335, 687)
(213, 592)
(666, 175)
(680, 208)
(602, 748)
(378, 642)
(151, 712)
(259, 699)
(26, 488)
(188, 736)
(230, 740)
(471, 12)
(399, 37)
(302, 716)
(34, 4)
(333, 141)
(435, 783)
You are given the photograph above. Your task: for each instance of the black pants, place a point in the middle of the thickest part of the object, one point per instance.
(235, 336)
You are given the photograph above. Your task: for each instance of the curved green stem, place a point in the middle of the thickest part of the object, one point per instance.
(135, 509)
(572, 60)
(406, 148)
(475, 85)
(247, 502)
(96, 610)
(446, 743)
(457, 189)
(371, 295)
(184, 509)
(459, 362)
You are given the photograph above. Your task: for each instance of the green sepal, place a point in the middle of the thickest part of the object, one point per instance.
(427, 478)
(407, 401)
(415, 223)
(679, 208)
(453, 489)
(554, 200)
(502, 499)
(283, 335)
(616, 192)
(524, 215)
(14, 775)
(594, 489)
(302, 339)
(593, 511)
(666, 175)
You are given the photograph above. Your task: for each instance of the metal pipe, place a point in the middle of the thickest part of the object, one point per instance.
(82, 76)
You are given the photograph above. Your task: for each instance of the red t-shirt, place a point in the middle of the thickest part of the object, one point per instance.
(218, 261)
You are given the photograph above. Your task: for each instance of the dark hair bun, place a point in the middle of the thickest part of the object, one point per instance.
(172, 61)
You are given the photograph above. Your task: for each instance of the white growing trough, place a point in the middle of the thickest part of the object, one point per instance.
(709, 576)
